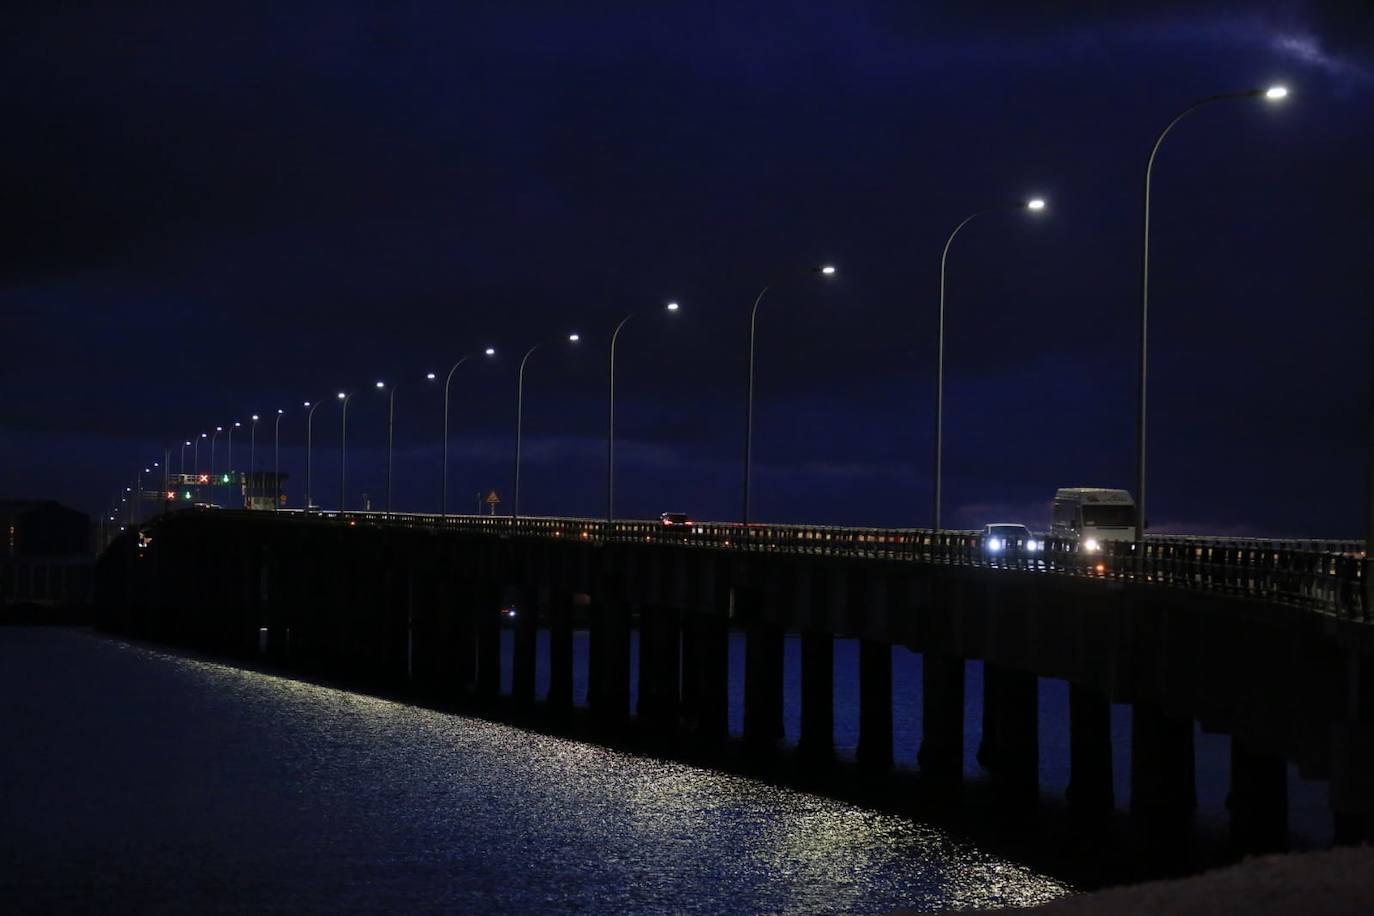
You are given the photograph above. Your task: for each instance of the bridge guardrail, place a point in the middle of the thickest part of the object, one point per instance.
(1321, 575)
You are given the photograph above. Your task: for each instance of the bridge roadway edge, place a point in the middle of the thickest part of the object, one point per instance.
(1287, 683)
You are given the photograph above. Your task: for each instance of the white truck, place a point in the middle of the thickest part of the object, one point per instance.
(1092, 516)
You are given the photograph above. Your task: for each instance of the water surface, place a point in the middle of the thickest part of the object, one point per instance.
(135, 780)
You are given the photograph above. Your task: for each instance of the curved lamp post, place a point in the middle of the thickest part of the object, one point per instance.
(826, 271)
(195, 457)
(390, 438)
(214, 481)
(610, 423)
(344, 398)
(309, 420)
(1034, 205)
(443, 498)
(276, 461)
(252, 442)
(181, 464)
(1272, 94)
(520, 418)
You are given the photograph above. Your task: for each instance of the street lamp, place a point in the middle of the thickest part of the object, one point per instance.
(214, 482)
(825, 271)
(181, 464)
(519, 419)
(443, 500)
(309, 419)
(1034, 205)
(1272, 94)
(195, 457)
(230, 459)
(252, 443)
(610, 423)
(276, 461)
(343, 449)
(390, 438)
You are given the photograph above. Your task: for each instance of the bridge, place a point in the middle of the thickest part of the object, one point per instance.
(1265, 641)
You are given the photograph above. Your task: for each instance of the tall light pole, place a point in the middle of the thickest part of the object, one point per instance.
(229, 460)
(252, 443)
(1272, 94)
(276, 461)
(343, 449)
(826, 271)
(610, 421)
(181, 464)
(443, 499)
(214, 481)
(390, 439)
(309, 419)
(1034, 205)
(520, 418)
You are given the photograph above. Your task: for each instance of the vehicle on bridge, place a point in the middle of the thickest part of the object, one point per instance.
(1008, 539)
(1092, 516)
(676, 520)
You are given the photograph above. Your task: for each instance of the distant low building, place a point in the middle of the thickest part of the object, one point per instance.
(46, 558)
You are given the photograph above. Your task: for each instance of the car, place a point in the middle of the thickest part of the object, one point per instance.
(1007, 538)
(676, 520)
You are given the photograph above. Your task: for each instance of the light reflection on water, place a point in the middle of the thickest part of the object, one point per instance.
(231, 786)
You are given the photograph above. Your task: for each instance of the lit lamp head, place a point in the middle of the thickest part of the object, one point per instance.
(254, 418)
(188, 441)
(1035, 204)
(430, 376)
(204, 435)
(219, 429)
(826, 270)
(237, 424)
(305, 404)
(490, 351)
(381, 385)
(1275, 93)
(341, 395)
(673, 306)
(280, 411)
(574, 337)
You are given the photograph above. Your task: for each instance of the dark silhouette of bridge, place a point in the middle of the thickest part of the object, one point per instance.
(1265, 641)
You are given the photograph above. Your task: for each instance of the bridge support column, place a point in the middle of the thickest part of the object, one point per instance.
(561, 654)
(706, 676)
(1163, 785)
(817, 741)
(1258, 800)
(487, 617)
(763, 684)
(659, 667)
(527, 612)
(874, 752)
(941, 756)
(611, 649)
(1090, 751)
(1010, 749)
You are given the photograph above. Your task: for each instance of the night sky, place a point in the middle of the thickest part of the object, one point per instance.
(210, 211)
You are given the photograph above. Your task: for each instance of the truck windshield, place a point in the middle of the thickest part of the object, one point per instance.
(1109, 516)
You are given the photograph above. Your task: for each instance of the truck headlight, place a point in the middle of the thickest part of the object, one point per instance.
(994, 544)
(1032, 545)
(1090, 545)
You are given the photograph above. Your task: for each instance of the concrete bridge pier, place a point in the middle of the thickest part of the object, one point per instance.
(706, 676)
(1163, 783)
(763, 650)
(487, 617)
(941, 756)
(874, 752)
(659, 672)
(527, 614)
(560, 698)
(817, 739)
(611, 651)
(1010, 749)
(1258, 800)
(1090, 752)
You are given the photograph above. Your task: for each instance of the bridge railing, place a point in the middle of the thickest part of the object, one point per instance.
(1322, 575)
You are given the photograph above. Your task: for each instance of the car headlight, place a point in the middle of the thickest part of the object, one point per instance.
(994, 544)
(1090, 545)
